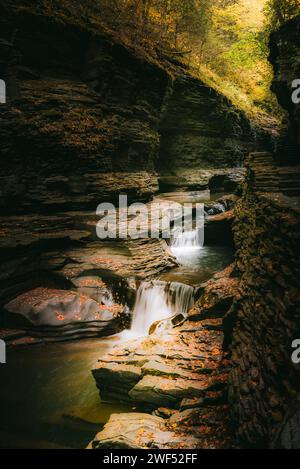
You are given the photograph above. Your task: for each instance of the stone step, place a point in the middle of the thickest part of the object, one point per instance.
(293, 183)
(291, 192)
(262, 158)
(261, 154)
(266, 177)
(265, 189)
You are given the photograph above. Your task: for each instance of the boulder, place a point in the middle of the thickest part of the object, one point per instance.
(53, 313)
(139, 431)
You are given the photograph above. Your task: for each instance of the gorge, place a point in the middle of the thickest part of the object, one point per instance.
(188, 345)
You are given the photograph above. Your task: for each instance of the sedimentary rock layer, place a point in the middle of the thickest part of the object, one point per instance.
(264, 382)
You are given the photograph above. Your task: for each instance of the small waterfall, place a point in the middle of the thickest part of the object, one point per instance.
(150, 306)
(157, 301)
(180, 298)
(186, 239)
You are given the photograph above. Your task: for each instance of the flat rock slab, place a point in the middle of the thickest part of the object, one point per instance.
(180, 375)
(157, 390)
(140, 431)
(163, 369)
(57, 313)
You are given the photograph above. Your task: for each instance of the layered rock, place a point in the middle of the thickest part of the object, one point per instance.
(88, 118)
(180, 375)
(84, 126)
(218, 228)
(63, 314)
(264, 381)
(201, 129)
(186, 430)
(285, 58)
(93, 118)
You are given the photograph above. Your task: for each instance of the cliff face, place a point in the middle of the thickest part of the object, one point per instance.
(264, 380)
(285, 58)
(83, 125)
(201, 129)
(87, 118)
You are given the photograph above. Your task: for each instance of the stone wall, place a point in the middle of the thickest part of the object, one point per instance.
(202, 129)
(88, 118)
(264, 382)
(83, 125)
(285, 58)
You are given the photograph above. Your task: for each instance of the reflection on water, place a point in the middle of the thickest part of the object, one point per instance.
(48, 396)
(197, 265)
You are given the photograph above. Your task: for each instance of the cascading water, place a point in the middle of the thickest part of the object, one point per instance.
(150, 306)
(180, 297)
(186, 239)
(186, 246)
(157, 301)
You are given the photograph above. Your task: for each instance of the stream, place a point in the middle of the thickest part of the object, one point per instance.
(48, 396)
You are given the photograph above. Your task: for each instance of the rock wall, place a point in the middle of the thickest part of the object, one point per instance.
(285, 58)
(264, 321)
(202, 129)
(264, 383)
(88, 118)
(84, 123)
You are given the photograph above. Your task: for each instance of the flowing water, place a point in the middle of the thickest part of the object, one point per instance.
(159, 300)
(187, 240)
(48, 397)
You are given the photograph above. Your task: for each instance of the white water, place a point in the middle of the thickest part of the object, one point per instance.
(180, 298)
(157, 301)
(186, 246)
(187, 239)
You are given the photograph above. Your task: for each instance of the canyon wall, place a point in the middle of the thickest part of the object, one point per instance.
(88, 118)
(264, 381)
(201, 129)
(285, 58)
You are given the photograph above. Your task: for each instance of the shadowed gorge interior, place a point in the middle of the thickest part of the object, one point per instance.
(150, 342)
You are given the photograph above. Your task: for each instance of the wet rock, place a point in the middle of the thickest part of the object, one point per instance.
(139, 431)
(51, 313)
(156, 390)
(289, 434)
(164, 324)
(123, 376)
(216, 299)
(218, 229)
(182, 367)
(259, 327)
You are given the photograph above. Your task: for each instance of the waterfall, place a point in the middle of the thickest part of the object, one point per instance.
(180, 298)
(158, 300)
(186, 239)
